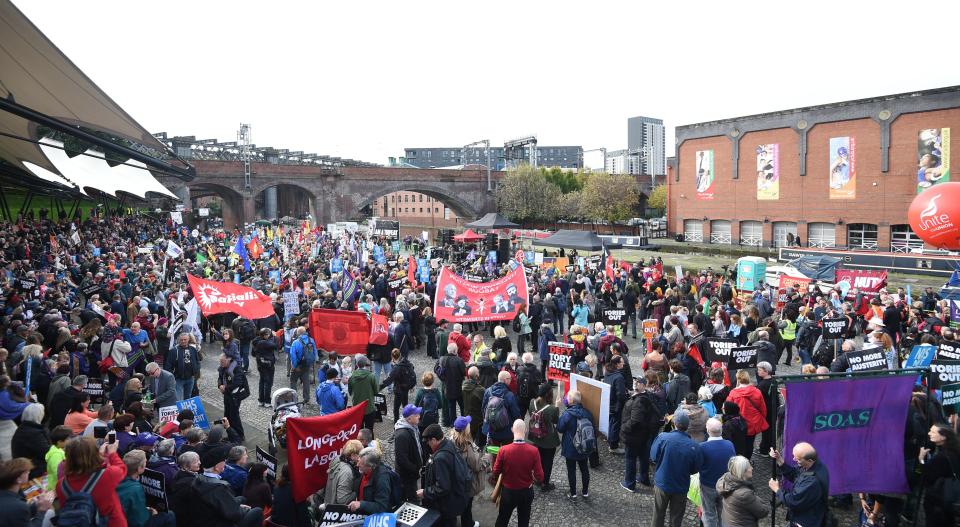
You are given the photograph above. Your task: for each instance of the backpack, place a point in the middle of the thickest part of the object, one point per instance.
(810, 335)
(585, 437)
(496, 417)
(431, 405)
(396, 488)
(247, 330)
(649, 421)
(538, 426)
(309, 352)
(526, 383)
(406, 377)
(78, 509)
(516, 324)
(823, 355)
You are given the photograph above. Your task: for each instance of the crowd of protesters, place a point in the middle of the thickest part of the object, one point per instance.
(105, 303)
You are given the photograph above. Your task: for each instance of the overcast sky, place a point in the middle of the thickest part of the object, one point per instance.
(366, 79)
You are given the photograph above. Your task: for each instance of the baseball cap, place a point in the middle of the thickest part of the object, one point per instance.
(411, 409)
(146, 439)
(462, 422)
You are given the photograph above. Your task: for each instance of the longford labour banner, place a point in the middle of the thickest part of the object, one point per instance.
(846, 418)
(459, 300)
(313, 442)
(223, 297)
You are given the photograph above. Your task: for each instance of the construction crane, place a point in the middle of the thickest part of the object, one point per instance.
(512, 148)
(602, 150)
(486, 146)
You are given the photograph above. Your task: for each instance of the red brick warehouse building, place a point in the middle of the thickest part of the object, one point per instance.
(834, 175)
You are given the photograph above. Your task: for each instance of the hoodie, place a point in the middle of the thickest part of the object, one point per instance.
(330, 398)
(741, 505)
(546, 336)
(363, 387)
(409, 456)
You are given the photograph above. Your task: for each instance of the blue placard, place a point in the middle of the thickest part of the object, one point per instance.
(921, 356)
(383, 519)
(96, 251)
(275, 275)
(199, 414)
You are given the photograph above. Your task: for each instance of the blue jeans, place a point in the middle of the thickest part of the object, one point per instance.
(630, 464)
(384, 367)
(804, 356)
(712, 505)
(245, 354)
(184, 388)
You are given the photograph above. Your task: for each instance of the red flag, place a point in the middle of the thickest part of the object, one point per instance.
(313, 442)
(608, 267)
(412, 271)
(226, 297)
(345, 332)
(379, 333)
(254, 248)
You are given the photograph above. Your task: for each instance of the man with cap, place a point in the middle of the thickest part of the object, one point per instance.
(213, 503)
(409, 456)
(162, 384)
(676, 457)
(443, 491)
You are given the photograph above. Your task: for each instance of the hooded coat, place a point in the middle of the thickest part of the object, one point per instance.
(742, 507)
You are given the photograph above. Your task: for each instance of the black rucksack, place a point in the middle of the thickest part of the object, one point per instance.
(431, 405)
(396, 488)
(247, 330)
(823, 355)
(406, 376)
(526, 383)
(79, 510)
(516, 324)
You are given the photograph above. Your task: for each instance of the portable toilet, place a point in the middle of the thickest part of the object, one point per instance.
(751, 270)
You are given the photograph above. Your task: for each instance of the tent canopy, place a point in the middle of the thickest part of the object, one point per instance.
(817, 267)
(468, 236)
(579, 240)
(492, 220)
(41, 87)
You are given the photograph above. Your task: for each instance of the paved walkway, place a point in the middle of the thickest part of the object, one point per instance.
(607, 501)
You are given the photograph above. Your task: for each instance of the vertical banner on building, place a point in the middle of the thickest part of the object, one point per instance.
(843, 168)
(840, 416)
(933, 157)
(768, 171)
(705, 175)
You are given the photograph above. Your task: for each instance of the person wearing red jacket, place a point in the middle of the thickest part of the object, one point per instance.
(85, 461)
(519, 465)
(753, 408)
(463, 343)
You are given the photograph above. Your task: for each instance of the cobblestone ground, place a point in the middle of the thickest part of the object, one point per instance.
(608, 502)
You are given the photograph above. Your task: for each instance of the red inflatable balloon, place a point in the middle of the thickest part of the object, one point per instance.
(934, 216)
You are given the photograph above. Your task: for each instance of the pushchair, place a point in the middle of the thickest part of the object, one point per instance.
(285, 403)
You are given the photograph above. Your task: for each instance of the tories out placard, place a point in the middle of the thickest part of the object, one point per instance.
(459, 300)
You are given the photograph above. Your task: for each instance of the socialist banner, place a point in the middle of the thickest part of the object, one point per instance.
(867, 282)
(379, 332)
(465, 301)
(313, 442)
(796, 282)
(842, 416)
(345, 332)
(224, 297)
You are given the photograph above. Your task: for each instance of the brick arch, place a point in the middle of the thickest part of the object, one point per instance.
(457, 204)
(260, 184)
(233, 211)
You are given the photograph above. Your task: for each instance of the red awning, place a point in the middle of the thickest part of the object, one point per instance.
(468, 236)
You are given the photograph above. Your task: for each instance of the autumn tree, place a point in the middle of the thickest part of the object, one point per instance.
(524, 194)
(658, 198)
(609, 198)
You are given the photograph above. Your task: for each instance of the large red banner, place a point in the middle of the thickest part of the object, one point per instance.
(867, 282)
(313, 442)
(798, 283)
(458, 300)
(345, 332)
(226, 297)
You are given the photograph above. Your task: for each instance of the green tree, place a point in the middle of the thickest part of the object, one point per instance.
(569, 206)
(658, 198)
(609, 198)
(524, 194)
(565, 180)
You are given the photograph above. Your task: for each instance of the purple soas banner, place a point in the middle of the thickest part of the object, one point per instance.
(856, 425)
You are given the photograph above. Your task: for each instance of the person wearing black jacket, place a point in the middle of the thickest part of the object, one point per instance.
(184, 362)
(265, 353)
(232, 383)
(442, 490)
(454, 371)
(212, 503)
(613, 375)
(31, 439)
(772, 398)
(374, 496)
(409, 455)
(943, 465)
(62, 402)
(642, 420)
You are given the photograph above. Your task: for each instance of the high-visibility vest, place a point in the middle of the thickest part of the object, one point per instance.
(789, 332)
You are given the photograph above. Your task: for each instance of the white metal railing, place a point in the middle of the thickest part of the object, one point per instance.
(822, 243)
(865, 244)
(902, 246)
(693, 236)
(720, 237)
(751, 240)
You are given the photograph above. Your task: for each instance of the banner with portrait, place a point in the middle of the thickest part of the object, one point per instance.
(459, 300)
(768, 171)
(705, 176)
(933, 157)
(843, 168)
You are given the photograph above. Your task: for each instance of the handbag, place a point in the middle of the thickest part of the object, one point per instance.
(497, 491)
